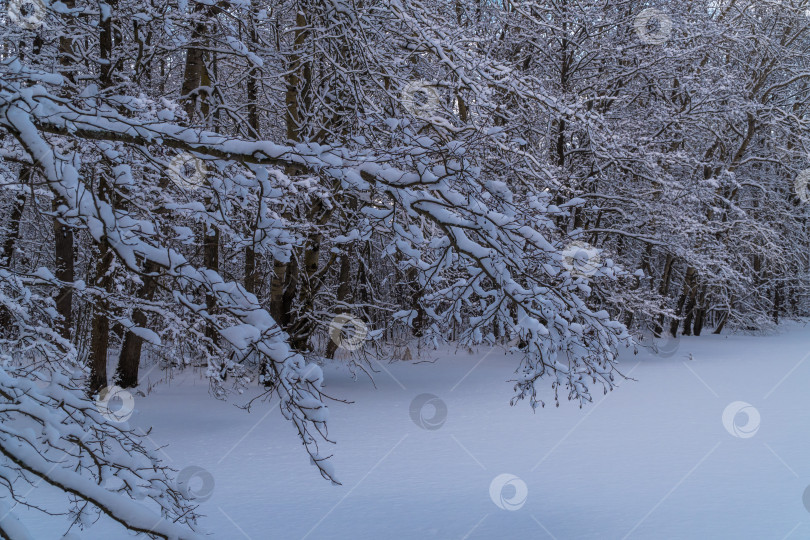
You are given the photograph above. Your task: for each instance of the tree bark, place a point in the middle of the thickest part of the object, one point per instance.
(416, 302)
(211, 261)
(690, 305)
(250, 270)
(63, 233)
(100, 328)
(277, 289)
(721, 325)
(255, 127)
(285, 280)
(195, 66)
(676, 321)
(663, 290)
(13, 234)
(100, 325)
(126, 375)
(344, 288)
(700, 313)
(63, 255)
(14, 220)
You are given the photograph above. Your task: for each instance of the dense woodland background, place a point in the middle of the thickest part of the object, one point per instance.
(212, 183)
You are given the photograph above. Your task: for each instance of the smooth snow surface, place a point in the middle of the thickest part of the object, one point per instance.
(649, 460)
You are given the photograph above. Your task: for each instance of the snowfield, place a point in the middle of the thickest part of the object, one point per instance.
(652, 459)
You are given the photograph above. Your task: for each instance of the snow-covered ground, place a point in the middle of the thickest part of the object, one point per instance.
(652, 459)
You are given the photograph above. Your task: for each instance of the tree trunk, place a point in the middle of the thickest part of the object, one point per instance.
(126, 375)
(63, 255)
(700, 313)
(250, 270)
(286, 277)
(663, 290)
(690, 306)
(721, 325)
(676, 321)
(255, 127)
(195, 66)
(303, 325)
(298, 75)
(277, 290)
(416, 302)
(63, 234)
(344, 288)
(13, 234)
(211, 261)
(14, 220)
(290, 288)
(100, 327)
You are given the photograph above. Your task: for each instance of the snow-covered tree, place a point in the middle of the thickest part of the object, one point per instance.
(221, 182)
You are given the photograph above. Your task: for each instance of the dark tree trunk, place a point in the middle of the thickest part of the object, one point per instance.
(211, 261)
(63, 234)
(126, 375)
(63, 255)
(700, 313)
(663, 290)
(100, 328)
(298, 87)
(416, 303)
(250, 270)
(628, 319)
(794, 301)
(690, 307)
(676, 321)
(721, 325)
(344, 288)
(195, 67)
(14, 220)
(255, 131)
(313, 275)
(364, 288)
(7, 255)
(277, 290)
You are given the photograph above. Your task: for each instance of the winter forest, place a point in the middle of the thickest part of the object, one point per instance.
(246, 246)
